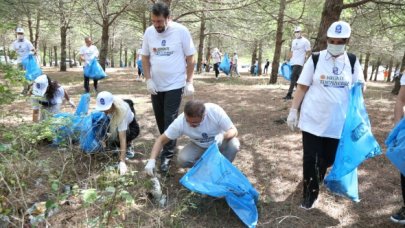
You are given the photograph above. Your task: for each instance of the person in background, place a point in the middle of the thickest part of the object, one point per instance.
(266, 67)
(235, 61)
(87, 53)
(216, 55)
(139, 63)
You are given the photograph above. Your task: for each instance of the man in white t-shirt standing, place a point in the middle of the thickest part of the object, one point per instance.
(300, 50)
(22, 46)
(216, 56)
(168, 65)
(235, 64)
(87, 53)
(204, 124)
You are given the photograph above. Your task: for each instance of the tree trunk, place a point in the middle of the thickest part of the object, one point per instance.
(330, 13)
(50, 56)
(390, 69)
(5, 53)
(104, 43)
(201, 44)
(126, 57)
(63, 33)
(121, 64)
(74, 57)
(397, 80)
(278, 43)
(207, 54)
(372, 71)
(365, 70)
(259, 64)
(70, 54)
(144, 22)
(254, 56)
(37, 30)
(377, 67)
(55, 52)
(44, 55)
(30, 28)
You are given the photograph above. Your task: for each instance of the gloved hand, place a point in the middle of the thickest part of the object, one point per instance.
(219, 138)
(123, 168)
(151, 87)
(72, 104)
(188, 89)
(150, 166)
(292, 120)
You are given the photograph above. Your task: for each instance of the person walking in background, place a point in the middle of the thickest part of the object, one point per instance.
(216, 55)
(168, 65)
(139, 64)
(235, 61)
(266, 67)
(87, 53)
(300, 49)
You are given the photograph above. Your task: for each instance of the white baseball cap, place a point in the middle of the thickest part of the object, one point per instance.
(104, 101)
(40, 85)
(297, 29)
(19, 30)
(339, 29)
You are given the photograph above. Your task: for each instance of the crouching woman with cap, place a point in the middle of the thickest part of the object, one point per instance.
(48, 98)
(123, 126)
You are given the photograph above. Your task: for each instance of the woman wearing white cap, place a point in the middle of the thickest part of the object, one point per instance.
(123, 125)
(48, 97)
(323, 89)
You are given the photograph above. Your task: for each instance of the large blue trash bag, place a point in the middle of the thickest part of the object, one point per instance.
(94, 70)
(214, 175)
(346, 186)
(356, 144)
(83, 106)
(32, 69)
(286, 70)
(225, 65)
(93, 130)
(65, 128)
(395, 143)
(139, 62)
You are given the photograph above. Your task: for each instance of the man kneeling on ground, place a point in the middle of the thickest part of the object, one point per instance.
(204, 124)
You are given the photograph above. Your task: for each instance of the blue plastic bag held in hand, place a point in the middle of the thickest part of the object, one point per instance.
(215, 176)
(94, 70)
(83, 106)
(225, 65)
(139, 62)
(65, 128)
(286, 70)
(396, 146)
(356, 144)
(93, 131)
(32, 69)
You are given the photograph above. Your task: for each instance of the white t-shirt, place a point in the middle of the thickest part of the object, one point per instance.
(324, 107)
(299, 47)
(216, 56)
(128, 118)
(167, 53)
(22, 48)
(56, 101)
(89, 53)
(403, 80)
(215, 121)
(139, 52)
(235, 59)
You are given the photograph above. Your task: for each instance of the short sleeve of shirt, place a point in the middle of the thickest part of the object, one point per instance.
(187, 42)
(224, 121)
(30, 45)
(292, 45)
(145, 45)
(175, 130)
(403, 80)
(358, 72)
(81, 51)
(129, 116)
(307, 45)
(96, 53)
(307, 73)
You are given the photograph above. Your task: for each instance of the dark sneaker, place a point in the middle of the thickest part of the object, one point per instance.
(399, 217)
(165, 165)
(308, 203)
(130, 154)
(288, 97)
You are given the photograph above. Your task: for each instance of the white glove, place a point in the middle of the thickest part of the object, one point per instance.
(292, 120)
(150, 166)
(219, 138)
(123, 168)
(72, 104)
(151, 87)
(189, 89)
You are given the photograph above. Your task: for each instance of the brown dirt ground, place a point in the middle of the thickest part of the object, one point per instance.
(270, 156)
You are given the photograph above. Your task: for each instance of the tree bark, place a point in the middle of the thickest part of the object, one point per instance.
(390, 69)
(126, 57)
(365, 70)
(6, 56)
(37, 30)
(254, 57)
(63, 32)
(30, 28)
(104, 43)
(44, 55)
(279, 41)
(201, 44)
(207, 54)
(55, 52)
(377, 67)
(144, 21)
(121, 63)
(259, 64)
(397, 80)
(50, 56)
(372, 71)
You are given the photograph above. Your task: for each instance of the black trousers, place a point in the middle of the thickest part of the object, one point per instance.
(166, 108)
(216, 69)
(131, 133)
(319, 155)
(87, 84)
(296, 71)
(403, 187)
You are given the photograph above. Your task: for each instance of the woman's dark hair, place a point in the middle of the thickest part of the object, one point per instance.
(194, 108)
(52, 88)
(160, 9)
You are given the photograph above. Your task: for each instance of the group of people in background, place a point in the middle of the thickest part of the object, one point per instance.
(322, 81)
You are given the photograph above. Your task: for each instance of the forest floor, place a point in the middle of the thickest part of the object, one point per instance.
(270, 156)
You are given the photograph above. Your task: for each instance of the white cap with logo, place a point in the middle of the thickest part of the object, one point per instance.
(40, 85)
(19, 30)
(339, 29)
(104, 101)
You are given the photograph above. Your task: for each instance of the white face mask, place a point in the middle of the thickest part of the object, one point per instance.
(297, 35)
(336, 49)
(20, 37)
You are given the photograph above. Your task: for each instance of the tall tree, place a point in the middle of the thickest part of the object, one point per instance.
(279, 41)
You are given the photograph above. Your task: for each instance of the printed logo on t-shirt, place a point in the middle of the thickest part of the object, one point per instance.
(163, 43)
(162, 51)
(206, 138)
(38, 86)
(333, 81)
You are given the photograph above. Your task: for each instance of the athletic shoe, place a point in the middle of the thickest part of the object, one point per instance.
(308, 203)
(165, 165)
(399, 217)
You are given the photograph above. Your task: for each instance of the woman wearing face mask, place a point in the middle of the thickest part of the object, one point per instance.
(323, 89)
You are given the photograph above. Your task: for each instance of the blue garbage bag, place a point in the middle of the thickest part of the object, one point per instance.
(225, 65)
(214, 175)
(139, 62)
(32, 69)
(286, 70)
(395, 143)
(346, 186)
(83, 106)
(93, 130)
(65, 128)
(356, 144)
(94, 70)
